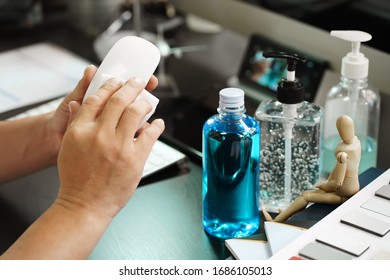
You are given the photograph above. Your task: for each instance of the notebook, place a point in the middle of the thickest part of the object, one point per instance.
(37, 73)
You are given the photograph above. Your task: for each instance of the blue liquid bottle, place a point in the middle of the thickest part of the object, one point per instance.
(231, 142)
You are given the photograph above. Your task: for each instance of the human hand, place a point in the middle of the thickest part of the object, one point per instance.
(59, 119)
(103, 152)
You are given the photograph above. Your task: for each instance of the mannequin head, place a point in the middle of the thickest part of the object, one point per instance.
(346, 128)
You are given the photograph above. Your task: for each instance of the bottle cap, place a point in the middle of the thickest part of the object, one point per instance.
(290, 90)
(354, 65)
(231, 98)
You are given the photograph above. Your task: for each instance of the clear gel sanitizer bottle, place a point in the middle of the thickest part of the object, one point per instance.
(231, 169)
(355, 97)
(291, 140)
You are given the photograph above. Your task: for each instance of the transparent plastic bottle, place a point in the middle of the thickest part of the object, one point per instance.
(291, 141)
(231, 169)
(352, 96)
(363, 109)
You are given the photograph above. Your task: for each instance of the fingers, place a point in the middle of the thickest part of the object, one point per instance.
(114, 105)
(94, 104)
(74, 107)
(132, 117)
(152, 84)
(78, 93)
(118, 104)
(88, 75)
(149, 135)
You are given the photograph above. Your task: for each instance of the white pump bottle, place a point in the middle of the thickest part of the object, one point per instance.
(355, 97)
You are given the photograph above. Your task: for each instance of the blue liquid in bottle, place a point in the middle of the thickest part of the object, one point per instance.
(231, 143)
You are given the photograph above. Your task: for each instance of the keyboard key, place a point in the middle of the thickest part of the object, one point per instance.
(383, 192)
(378, 205)
(318, 251)
(296, 258)
(361, 227)
(366, 223)
(381, 255)
(343, 240)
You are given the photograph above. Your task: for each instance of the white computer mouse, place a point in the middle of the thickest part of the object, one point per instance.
(131, 56)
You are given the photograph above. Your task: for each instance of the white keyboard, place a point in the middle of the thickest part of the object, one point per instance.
(161, 156)
(357, 229)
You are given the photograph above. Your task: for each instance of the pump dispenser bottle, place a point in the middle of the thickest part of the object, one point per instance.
(355, 97)
(231, 169)
(291, 141)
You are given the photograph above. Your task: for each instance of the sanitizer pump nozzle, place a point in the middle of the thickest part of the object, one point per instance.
(354, 64)
(290, 90)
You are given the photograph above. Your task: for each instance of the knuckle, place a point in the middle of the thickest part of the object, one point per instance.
(135, 84)
(94, 100)
(111, 85)
(119, 100)
(74, 132)
(134, 111)
(140, 107)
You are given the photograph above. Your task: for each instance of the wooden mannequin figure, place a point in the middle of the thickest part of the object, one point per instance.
(343, 181)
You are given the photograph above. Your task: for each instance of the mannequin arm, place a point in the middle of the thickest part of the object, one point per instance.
(336, 178)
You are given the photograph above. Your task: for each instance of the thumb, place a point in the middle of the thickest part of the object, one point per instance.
(81, 87)
(74, 107)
